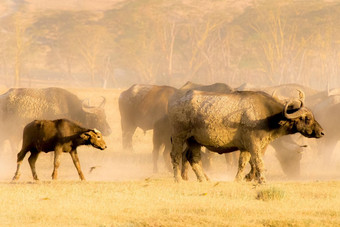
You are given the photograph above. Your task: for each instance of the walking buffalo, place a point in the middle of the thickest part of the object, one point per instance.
(59, 136)
(162, 129)
(247, 121)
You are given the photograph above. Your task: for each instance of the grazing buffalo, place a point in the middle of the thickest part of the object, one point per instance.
(247, 121)
(19, 106)
(59, 136)
(141, 106)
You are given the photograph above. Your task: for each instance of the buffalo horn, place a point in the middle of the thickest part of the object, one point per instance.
(91, 108)
(302, 96)
(274, 95)
(297, 113)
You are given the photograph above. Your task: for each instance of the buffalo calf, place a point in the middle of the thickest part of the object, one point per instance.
(59, 136)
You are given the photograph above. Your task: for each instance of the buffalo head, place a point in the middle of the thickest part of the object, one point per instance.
(303, 120)
(94, 138)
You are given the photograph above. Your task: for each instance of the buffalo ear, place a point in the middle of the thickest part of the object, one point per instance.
(85, 136)
(282, 123)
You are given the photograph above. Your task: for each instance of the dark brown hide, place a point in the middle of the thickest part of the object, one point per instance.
(59, 136)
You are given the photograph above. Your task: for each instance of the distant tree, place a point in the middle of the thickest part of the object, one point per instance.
(18, 42)
(90, 39)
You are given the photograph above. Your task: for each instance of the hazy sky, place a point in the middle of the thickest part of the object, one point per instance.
(6, 5)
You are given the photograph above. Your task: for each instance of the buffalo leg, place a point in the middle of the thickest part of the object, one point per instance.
(166, 155)
(155, 151)
(257, 162)
(243, 161)
(176, 155)
(20, 157)
(194, 158)
(32, 160)
(185, 164)
(127, 132)
(251, 175)
(207, 159)
(57, 153)
(76, 163)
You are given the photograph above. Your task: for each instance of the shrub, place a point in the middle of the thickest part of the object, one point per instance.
(271, 193)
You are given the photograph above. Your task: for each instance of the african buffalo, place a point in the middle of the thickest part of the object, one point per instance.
(141, 106)
(162, 129)
(59, 136)
(247, 121)
(19, 106)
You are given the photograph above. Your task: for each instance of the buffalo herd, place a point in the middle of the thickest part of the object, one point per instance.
(238, 122)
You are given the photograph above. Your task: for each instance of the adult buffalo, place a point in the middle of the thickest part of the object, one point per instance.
(162, 129)
(246, 121)
(141, 106)
(18, 106)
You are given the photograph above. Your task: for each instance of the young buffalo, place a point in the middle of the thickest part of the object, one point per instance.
(59, 136)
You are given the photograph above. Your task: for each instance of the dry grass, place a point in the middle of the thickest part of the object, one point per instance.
(160, 202)
(123, 191)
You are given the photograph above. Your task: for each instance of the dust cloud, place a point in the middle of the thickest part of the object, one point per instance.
(114, 164)
(94, 54)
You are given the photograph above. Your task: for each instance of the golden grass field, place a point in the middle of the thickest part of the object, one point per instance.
(123, 191)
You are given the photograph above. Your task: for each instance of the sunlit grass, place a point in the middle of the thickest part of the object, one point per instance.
(271, 193)
(161, 202)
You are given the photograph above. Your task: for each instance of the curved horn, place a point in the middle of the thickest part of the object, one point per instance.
(296, 114)
(274, 95)
(86, 103)
(302, 96)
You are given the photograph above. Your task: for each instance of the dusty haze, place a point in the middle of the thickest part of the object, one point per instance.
(113, 164)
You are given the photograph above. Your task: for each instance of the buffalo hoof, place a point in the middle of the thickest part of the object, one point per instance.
(185, 176)
(261, 180)
(201, 179)
(178, 180)
(249, 177)
(16, 177)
